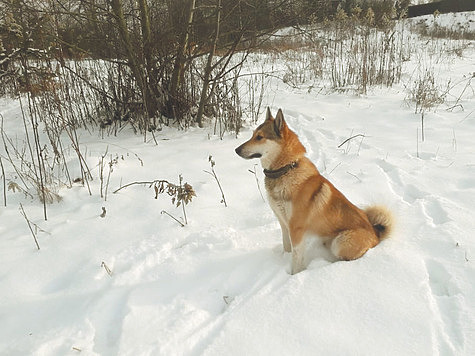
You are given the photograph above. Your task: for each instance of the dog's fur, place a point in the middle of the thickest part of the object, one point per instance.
(305, 202)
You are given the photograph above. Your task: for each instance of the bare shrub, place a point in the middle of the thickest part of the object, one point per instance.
(425, 92)
(351, 52)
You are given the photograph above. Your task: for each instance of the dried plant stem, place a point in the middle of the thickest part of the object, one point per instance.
(41, 166)
(101, 171)
(213, 174)
(41, 174)
(183, 205)
(417, 142)
(149, 183)
(6, 140)
(4, 183)
(347, 150)
(422, 126)
(350, 138)
(105, 186)
(462, 93)
(334, 168)
(27, 135)
(184, 213)
(82, 162)
(174, 218)
(108, 179)
(22, 211)
(354, 175)
(361, 142)
(257, 182)
(180, 194)
(108, 270)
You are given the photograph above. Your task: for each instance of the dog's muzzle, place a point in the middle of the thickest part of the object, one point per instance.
(240, 153)
(238, 150)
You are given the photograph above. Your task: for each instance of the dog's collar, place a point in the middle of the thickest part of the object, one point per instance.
(277, 173)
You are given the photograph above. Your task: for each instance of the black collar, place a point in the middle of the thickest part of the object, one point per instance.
(274, 174)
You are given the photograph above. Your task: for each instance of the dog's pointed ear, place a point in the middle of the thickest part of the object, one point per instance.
(269, 115)
(279, 123)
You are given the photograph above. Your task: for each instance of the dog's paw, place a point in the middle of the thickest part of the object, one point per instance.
(296, 269)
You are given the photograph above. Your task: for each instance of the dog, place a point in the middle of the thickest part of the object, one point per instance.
(306, 203)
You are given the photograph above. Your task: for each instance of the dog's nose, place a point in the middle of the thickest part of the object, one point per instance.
(238, 150)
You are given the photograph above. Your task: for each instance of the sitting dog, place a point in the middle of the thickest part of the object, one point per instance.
(305, 202)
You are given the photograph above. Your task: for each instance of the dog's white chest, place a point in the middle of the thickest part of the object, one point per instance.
(281, 208)
(279, 194)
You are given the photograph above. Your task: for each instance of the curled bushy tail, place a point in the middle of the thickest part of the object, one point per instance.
(381, 219)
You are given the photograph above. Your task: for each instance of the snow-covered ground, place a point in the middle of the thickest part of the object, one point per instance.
(221, 284)
(456, 21)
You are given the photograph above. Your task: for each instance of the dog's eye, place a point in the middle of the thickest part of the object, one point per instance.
(259, 137)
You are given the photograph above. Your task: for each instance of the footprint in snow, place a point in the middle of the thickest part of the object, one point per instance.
(434, 210)
(448, 303)
(440, 280)
(412, 193)
(391, 172)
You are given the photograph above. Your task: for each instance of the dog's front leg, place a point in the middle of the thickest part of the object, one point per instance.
(285, 237)
(298, 249)
(280, 214)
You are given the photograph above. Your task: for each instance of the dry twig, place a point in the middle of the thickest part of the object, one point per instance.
(33, 233)
(350, 138)
(213, 174)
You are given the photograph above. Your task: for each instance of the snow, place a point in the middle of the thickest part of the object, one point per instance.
(458, 21)
(221, 284)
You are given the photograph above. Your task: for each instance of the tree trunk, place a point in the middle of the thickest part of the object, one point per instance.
(180, 56)
(124, 35)
(137, 68)
(208, 69)
(151, 100)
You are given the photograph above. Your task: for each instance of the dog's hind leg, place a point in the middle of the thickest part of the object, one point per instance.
(352, 244)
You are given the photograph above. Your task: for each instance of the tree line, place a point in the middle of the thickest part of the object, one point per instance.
(146, 62)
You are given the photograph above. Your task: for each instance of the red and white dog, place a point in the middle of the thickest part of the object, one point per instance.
(305, 202)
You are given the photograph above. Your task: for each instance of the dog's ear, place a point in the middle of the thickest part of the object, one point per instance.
(269, 115)
(279, 123)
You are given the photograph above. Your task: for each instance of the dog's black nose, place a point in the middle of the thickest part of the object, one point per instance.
(238, 150)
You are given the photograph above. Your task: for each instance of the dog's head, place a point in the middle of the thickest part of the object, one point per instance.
(266, 140)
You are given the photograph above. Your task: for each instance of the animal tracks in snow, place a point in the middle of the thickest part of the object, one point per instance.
(433, 214)
(435, 211)
(411, 194)
(440, 280)
(433, 233)
(447, 301)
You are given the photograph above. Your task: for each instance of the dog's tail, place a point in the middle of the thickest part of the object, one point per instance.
(381, 219)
